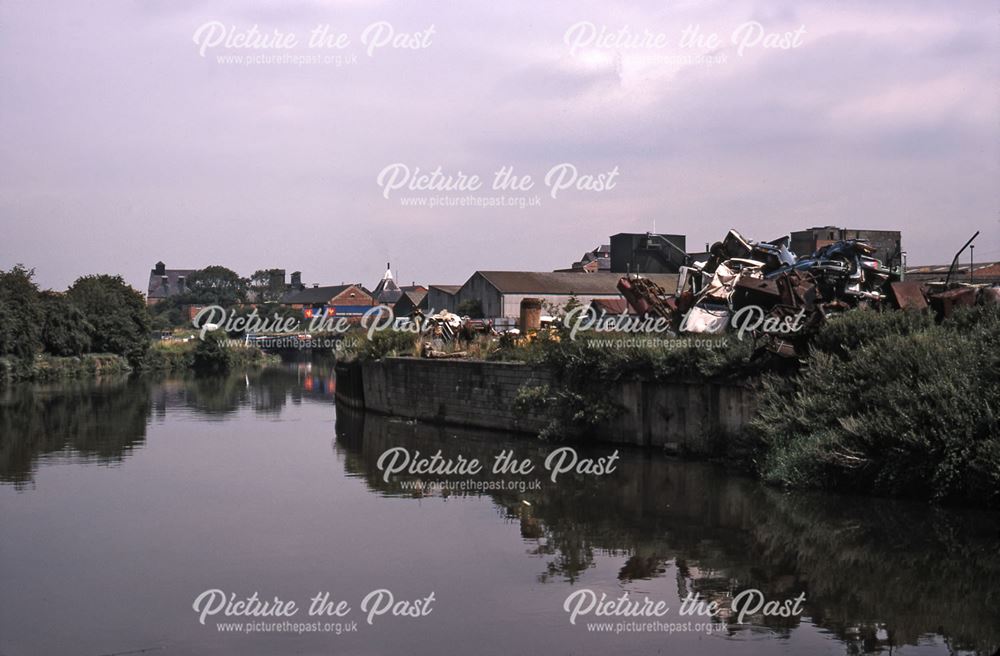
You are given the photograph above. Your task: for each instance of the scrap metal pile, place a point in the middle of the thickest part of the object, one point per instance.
(785, 298)
(446, 327)
(772, 286)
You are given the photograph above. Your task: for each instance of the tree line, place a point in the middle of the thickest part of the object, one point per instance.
(103, 314)
(97, 314)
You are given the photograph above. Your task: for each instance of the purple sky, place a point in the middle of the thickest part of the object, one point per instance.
(122, 145)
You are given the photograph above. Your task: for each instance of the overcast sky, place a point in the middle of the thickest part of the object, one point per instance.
(128, 138)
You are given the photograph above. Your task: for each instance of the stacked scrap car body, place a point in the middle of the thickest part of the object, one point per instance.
(741, 272)
(766, 277)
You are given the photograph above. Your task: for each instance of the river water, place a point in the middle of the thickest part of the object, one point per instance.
(123, 501)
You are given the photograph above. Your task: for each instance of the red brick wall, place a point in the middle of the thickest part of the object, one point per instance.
(359, 298)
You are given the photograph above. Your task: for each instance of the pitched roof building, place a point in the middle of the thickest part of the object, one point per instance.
(410, 301)
(441, 297)
(593, 261)
(387, 292)
(164, 282)
(500, 292)
(338, 300)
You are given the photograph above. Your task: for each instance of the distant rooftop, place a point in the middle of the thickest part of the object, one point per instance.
(544, 282)
(984, 269)
(314, 295)
(164, 282)
(387, 291)
(447, 289)
(964, 268)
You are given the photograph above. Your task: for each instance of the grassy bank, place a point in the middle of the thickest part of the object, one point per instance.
(46, 367)
(162, 357)
(210, 354)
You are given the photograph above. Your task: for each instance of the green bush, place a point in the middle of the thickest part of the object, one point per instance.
(912, 409)
(841, 334)
(211, 355)
(20, 313)
(566, 410)
(116, 313)
(592, 357)
(65, 331)
(471, 308)
(170, 356)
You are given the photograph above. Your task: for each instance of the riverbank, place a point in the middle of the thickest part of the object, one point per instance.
(696, 418)
(162, 357)
(44, 367)
(887, 404)
(210, 354)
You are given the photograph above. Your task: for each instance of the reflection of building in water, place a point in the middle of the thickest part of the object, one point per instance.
(876, 573)
(314, 380)
(266, 391)
(319, 385)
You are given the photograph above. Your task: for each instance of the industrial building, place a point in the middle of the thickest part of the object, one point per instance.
(500, 292)
(887, 243)
(648, 252)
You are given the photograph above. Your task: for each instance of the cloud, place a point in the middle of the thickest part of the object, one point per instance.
(122, 146)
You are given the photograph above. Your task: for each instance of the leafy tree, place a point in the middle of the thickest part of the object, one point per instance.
(169, 313)
(470, 307)
(116, 313)
(216, 285)
(266, 312)
(65, 330)
(267, 285)
(211, 354)
(20, 313)
(571, 304)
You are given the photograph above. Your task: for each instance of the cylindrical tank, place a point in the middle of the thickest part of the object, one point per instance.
(531, 314)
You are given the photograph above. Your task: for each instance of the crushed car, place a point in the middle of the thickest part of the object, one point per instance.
(768, 277)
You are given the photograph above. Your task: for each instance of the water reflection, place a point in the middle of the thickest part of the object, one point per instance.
(100, 422)
(876, 573)
(103, 421)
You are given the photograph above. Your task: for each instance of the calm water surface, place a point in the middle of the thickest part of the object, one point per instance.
(122, 501)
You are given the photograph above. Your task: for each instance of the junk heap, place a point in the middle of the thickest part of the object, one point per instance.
(764, 286)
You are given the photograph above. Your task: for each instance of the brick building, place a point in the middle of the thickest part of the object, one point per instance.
(333, 300)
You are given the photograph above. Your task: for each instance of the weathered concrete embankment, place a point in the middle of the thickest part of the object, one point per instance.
(695, 418)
